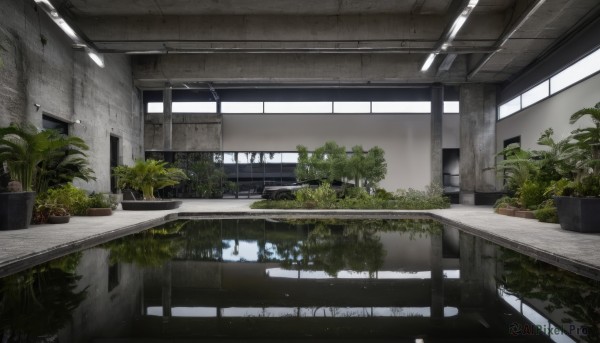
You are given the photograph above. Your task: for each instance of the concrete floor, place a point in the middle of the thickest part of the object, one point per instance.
(577, 252)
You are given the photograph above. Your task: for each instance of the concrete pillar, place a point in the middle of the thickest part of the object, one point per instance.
(437, 111)
(471, 278)
(477, 140)
(168, 117)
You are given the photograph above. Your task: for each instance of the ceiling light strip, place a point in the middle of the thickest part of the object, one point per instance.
(79, 42)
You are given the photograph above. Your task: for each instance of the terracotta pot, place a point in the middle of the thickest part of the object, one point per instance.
(58, 219)
(507, 211)
(525, 214)
(99, 212)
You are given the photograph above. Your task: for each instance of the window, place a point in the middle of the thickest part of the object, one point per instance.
(451, 107)
(535, 94)
(185, 107)
(299, 107)
(401, 106)
(242, 107)
(352, 107)
(509, 108)
(578, 71)
(55, 124)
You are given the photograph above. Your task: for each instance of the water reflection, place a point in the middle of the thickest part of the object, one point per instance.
(255, 278)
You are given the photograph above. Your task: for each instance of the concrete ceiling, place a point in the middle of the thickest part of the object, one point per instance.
(325, 41)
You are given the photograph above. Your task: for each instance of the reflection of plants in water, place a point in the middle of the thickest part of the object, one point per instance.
(150, 248)
(38, 302)
(202, 241)
(576, 296)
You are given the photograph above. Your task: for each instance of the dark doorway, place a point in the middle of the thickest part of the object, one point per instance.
(451, 173)
(510, 141)
(114, 161)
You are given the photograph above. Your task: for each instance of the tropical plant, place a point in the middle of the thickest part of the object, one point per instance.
(73, 199)
(147, 176)
(40, 159)
(45, 208)
(586, 162)
(99, 200)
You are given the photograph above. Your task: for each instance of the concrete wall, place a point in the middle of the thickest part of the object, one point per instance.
(553, 112)
(40, 67)
(405, 138)
(191, 132)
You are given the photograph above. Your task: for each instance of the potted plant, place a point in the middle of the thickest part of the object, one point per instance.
(52, 213)
(99, 205)
(148, 176)
(36, 160)
(579, 204)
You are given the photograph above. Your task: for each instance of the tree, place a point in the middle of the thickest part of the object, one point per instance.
(147, 176)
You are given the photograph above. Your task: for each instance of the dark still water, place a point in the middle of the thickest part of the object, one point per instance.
(343, 280)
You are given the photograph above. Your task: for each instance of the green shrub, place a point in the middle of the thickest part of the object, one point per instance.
(506, 201)
(383, 194)
(412, 199)
(547, 215)
(99, 200)
(73, 199)
(531, 194)
(322, 197)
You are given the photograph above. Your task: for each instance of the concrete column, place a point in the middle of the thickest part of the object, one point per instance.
(437, 111)
(477, 140)
(168, 117)
(471, 278)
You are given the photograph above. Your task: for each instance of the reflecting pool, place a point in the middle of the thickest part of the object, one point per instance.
(334, 279)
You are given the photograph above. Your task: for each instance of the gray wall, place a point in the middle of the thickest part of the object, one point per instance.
(405, 138)
(553, 112)
(40, 67)
(191, 132)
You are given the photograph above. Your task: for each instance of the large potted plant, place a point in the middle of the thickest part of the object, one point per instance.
(579, 205)
(148, 176)
(37, 160)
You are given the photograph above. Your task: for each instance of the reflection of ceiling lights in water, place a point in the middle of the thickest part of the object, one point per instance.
(306, 312)
(350, 274)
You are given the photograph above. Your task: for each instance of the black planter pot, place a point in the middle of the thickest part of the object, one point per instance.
(150, 205)
(578, 214)
(16, 210)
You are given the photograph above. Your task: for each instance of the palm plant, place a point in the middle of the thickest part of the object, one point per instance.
(147, 176)
(587, 160)
(40, 159)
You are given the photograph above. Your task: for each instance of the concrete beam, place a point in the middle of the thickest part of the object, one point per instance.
(265, 68)
(381, 31)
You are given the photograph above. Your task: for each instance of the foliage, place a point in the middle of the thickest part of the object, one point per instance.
(506, 201)
(73, 199)
(148, 176)
(547, 214)
(206, 179)
(99, 200)
(517, 166)
(531, 195)
(42, 159)
(358, 198)
(322, 197)
(331, 162)
(587, 159)
(44, 209)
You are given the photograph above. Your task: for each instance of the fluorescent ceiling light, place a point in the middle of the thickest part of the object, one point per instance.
(458, 23)
(428, 62)
(99, 59)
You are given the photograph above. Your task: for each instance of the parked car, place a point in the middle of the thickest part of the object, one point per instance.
(287, 192)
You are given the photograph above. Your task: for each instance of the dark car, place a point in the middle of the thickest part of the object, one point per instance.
(287, 192)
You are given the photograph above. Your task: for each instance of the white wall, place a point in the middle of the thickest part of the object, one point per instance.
(405, 138)
(553, 112)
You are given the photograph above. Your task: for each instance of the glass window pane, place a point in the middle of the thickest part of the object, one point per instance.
(298, 107)
(401, 107)
(535, 94)
(509, 108)
(195, 107)
(451, 106)
(241, 107)
(578, 71)
(352, 107)
(155, 107)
